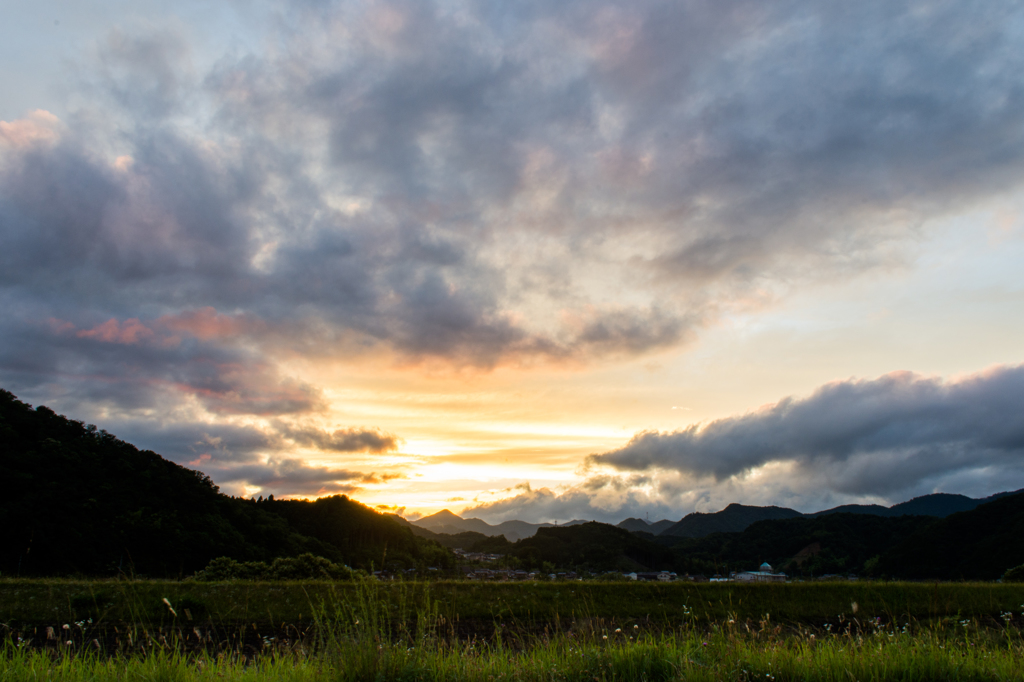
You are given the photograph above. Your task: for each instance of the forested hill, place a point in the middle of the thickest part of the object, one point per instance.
(972, 545)
(77, 500)
(732, 519)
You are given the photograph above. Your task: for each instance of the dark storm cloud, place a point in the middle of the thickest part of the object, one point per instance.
(197, 444)
(341, 440)
(133, 366)
(877, 436)
(290, 476)
(738, 139)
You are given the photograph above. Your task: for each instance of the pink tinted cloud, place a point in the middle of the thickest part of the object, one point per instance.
(39, 127)
(206, 323)
(130, 331)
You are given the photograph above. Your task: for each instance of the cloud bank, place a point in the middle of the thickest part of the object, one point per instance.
(886, 439)
(874, 436)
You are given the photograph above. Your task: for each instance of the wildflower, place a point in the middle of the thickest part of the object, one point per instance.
(636, 627)
(68, 642)
(604, 636)
(617, 630)
(66, 626)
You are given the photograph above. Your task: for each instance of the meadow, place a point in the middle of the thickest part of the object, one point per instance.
(163, 630)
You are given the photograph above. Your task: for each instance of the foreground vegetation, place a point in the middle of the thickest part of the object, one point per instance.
(457, 631)
(725, 653)
(25, 602)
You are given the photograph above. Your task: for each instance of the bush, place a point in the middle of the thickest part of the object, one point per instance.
(1014, 575)
(303, 567)
(613, 578)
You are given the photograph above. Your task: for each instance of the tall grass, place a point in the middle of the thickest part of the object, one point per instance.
(718, 655)
(373, 631)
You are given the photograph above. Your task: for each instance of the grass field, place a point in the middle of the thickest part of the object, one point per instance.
(45, 601)
(519, 631)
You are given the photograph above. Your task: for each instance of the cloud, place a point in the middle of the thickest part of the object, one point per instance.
(289, 476)
(864, 436)
(477, 185)
(134, 365)
(879, 441)
(445, 188)
(39, 128)
(608, 499)
(341, 440)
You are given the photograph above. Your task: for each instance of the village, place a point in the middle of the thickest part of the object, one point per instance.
(483, 566)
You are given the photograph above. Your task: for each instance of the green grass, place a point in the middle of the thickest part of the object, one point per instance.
(722, 654)
(50, 601)
(415, 631)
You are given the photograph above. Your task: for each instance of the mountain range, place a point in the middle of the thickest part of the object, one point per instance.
(82, 502)
(79, 501)
(448, 523)
(734, 518)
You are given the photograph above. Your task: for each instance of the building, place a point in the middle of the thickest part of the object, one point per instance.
(764, 574)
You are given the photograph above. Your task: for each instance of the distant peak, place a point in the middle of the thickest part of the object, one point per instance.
(442, 515)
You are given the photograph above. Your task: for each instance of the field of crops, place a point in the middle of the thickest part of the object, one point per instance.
(120, 630)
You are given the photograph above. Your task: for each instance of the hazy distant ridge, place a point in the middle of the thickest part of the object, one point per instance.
(448, 523)
(733, 519)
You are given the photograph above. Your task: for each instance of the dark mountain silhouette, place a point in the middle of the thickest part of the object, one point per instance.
(732, 519)
(799, 546)
(449, 523)
(77, 500)
(659, 527)
(869, 509)
(937, 504)
(634, 525)
(979, 544)
(640, 526)
(590, 546)
(737, 517)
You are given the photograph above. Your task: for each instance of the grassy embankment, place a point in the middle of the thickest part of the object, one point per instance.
(373, 631)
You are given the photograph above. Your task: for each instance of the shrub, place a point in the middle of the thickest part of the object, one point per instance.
(303, 567)
(1014, 575)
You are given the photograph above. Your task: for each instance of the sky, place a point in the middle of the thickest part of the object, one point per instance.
(534, 260)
